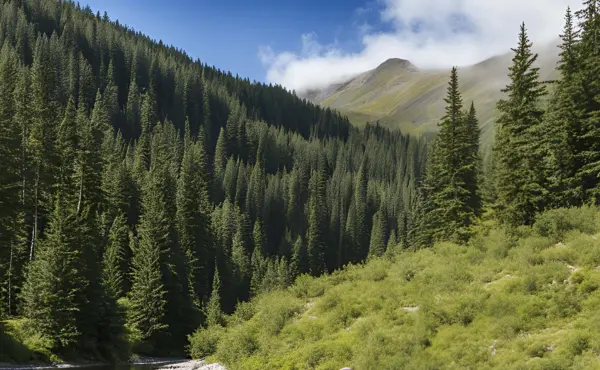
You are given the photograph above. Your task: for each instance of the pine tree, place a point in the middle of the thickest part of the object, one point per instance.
(361, 224)
(588, 95)
(114, 269)
(114, 266)
(258, 260)
(67, 147)
(230, 179)
(564, 119)
(214, 314)
(241, 265)
(206, 113)
(519, 149)
(299, 257)
(54, 281)
(472, 164)
(11, 206)
(377, 245)
(451, 194)
(317, 221)
(146, 317)
(193, 216)
(133, 111)
(392, 244)
(41, 136)
(256, 191)
(220, 162)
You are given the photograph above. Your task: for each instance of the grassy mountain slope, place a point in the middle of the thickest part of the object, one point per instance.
(526, 301)
(399, 95)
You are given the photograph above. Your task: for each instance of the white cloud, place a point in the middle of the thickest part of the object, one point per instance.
(429, 33)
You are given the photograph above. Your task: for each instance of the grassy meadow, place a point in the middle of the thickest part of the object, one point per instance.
(520, 299)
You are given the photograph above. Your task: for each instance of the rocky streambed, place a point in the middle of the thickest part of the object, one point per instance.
(192, 365)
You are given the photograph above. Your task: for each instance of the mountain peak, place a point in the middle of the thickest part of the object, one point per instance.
(398, 63)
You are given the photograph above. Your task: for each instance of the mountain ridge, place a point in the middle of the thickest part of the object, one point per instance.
(398, 94)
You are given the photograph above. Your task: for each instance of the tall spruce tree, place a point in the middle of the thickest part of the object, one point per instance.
(451, 184)
(377, 246)
(11, 205)
(54, 282)
(588, 114)
(564, 119)
(146, 318)
(317, 222)
(193, 216)
(520, 147)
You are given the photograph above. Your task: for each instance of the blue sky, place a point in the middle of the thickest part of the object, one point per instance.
(229, 33)
(305, 44)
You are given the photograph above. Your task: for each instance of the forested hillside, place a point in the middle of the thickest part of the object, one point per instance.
(503, 271)
(142, 192)
(508, 300)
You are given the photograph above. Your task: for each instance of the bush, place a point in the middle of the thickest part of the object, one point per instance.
(510, 300)
(203, 342)
(307, 286)
(20, 345)
(556, 223)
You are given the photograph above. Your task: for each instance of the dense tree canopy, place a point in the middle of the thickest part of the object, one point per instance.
(143, 193)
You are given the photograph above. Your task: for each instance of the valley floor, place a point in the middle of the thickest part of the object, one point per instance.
(528, 299)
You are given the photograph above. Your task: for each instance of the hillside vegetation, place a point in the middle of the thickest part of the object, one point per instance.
(528, 299)
(141, 191)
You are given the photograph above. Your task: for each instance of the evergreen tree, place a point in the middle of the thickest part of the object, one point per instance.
(11, 200)
(146, 318)
(193, 216)
(317, 221)
(54, 281)
(114, 269)
(392, 244)
(588, 98)
(258, 260)
(520, 148)
(451, 186)
(564, 119)
(472, 164)
(360, 236)
(299, 257)
(214, 314)
(377, 245)
(220, 163)
(241, 265)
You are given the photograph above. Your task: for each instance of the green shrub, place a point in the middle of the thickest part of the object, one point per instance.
(518, 299)
(577, 344)
(307, 286)
(203, 342)
(237, 343)
(537, 350)
(12, 348)
(556, 223)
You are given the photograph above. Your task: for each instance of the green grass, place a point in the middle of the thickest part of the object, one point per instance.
(528, 299)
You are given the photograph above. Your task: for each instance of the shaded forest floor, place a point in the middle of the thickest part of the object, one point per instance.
(529, 298)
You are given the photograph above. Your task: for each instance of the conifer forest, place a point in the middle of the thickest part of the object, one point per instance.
(144, 194)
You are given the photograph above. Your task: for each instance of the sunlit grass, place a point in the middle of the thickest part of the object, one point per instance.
(526, 299)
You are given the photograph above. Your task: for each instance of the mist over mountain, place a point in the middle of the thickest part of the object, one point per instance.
(398, 94)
